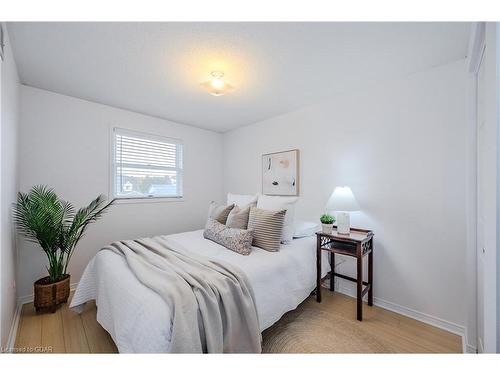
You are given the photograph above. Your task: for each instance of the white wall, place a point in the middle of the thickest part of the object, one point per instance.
(400, 146)
(9, 181)
(64, 143)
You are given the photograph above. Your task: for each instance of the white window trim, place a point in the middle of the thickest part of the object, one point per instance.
(112, 168)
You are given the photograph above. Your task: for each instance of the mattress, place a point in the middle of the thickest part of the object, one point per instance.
(139, 320)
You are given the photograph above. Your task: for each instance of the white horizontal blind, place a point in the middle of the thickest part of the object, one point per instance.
(146, 166)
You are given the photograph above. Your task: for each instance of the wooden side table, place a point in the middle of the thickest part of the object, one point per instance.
(357, 244)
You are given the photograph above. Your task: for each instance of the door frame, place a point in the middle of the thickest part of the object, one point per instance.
(474, 59)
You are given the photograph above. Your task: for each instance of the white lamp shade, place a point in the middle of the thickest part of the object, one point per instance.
(342, 199)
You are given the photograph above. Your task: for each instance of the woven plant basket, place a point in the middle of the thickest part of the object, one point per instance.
(50, 295)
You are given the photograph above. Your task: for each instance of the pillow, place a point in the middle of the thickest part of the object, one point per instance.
(275, 203)
(219, 212)
(305, 228)
(237, 240)
(238, 217)
(267, 227)
(241, 200)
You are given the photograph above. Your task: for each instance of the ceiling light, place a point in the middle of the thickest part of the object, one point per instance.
(216, 85)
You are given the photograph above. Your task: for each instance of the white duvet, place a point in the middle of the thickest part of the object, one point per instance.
(139, 320)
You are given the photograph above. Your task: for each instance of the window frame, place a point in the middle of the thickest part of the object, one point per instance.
(154, 137)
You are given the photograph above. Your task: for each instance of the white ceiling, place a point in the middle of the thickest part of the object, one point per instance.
(156, 68)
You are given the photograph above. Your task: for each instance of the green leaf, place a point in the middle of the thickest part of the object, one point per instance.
(42, 217)
(327, 219)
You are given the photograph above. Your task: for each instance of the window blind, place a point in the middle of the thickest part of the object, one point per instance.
(146, 166)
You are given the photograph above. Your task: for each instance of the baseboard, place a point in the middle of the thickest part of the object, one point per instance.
(480, 346)
(417, 315)
(470, 349)
(11, 341)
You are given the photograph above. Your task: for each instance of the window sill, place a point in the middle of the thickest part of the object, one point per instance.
(148, 200)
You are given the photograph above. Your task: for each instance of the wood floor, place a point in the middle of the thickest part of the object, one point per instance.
(62, 332)
(68, 332)
(331, 327)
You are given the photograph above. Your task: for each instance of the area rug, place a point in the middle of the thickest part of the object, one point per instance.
(309, 329)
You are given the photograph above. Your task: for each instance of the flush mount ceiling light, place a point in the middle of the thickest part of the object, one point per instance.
(216, 85)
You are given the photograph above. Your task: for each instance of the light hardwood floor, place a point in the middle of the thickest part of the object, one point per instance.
(67, 332)
(62, 332)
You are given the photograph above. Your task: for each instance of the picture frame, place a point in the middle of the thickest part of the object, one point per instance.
(280, 173)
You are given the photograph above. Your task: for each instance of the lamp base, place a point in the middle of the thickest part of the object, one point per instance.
(343, 223)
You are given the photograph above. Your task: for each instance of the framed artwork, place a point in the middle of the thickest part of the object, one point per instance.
(280, 173)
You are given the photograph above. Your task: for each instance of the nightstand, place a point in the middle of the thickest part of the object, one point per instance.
(357, 244)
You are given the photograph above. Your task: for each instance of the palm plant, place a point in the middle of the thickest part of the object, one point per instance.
(42, 217)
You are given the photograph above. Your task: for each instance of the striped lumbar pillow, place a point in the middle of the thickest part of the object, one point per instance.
(267, 227)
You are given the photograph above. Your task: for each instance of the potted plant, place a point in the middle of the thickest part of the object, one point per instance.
(42, 217)
(327, 223)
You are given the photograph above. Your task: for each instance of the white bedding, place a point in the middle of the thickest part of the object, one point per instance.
(138, 319)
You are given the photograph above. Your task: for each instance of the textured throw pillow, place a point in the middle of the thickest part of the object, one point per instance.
(238, 240)
(238, 217)
(241, 199)
(276, 203)
(267, 227)
(219, 212)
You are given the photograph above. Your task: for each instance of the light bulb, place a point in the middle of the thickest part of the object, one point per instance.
(217, 83)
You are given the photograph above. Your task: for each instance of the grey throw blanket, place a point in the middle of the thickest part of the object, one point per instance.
(212, 303)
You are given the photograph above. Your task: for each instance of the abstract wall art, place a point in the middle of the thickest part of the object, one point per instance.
(280, 173)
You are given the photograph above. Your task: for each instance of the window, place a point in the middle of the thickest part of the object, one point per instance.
(146, 166)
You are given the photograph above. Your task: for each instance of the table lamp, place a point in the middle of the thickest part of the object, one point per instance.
(343, 202)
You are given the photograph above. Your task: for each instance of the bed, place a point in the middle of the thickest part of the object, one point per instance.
(138, 319)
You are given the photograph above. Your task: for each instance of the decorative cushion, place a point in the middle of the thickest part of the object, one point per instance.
(276, 203)
(238, 240)
(241, 200)
(267, 227)
(219, 212)
(238, 217)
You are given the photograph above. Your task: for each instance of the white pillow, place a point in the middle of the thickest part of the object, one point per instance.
(276, 203)
(305, 228)
(241, 200)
